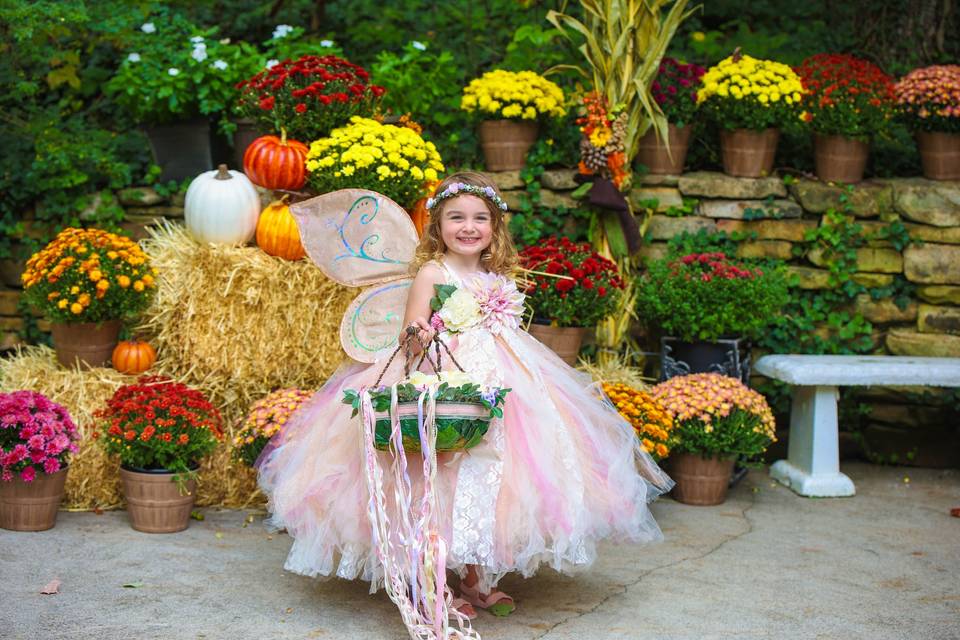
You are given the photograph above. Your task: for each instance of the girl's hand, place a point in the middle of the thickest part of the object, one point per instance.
(423, 330)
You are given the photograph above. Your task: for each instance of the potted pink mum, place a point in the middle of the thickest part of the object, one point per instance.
(717, 421)
(36, 437)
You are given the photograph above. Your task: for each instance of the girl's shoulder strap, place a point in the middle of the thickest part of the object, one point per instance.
(448, 274)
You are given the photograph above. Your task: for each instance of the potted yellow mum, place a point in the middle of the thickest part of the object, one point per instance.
(510, 105)
(750, 100)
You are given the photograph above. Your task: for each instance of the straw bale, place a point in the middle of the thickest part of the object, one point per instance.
(93, 480)
(615, 370)
(238, 324)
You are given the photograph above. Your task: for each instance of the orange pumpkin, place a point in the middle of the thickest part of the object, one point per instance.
(420, 216)
(276, 163)
(277, 232)
(133, 356)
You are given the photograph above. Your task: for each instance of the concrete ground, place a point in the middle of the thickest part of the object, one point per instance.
(766, 564)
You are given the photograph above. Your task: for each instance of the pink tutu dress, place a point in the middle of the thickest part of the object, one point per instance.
(560, 471)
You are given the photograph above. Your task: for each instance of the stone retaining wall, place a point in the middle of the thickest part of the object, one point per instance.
(930, 211)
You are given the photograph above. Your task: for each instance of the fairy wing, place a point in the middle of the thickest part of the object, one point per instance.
(372, 322)
(359, 237)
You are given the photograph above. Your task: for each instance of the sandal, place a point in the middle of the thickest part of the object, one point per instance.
(497, 602)
(459, 604)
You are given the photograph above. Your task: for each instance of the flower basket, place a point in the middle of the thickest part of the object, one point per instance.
(85, 344)
(462, 408)
(701, 480)
(85, 281)
(939, 154)
(928, 102)
(505, 143)
(846, 100)
(838, 158)
(36, 438)
(156, 503)
(717, 420)
(509, 104)
(460, 426)
(31, 506)
(652, 152)
(564, 341)
(747, 153)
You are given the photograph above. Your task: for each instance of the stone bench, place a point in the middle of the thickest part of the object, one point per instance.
(813, 464)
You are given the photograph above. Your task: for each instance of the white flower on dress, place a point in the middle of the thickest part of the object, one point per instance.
(220, 64)
(281, 31)
(148, 27)
(460, 311)
(419, 45)
(326, 43)
(134, 57)
(173, 71)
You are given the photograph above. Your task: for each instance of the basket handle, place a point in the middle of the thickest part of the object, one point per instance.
(412, 333)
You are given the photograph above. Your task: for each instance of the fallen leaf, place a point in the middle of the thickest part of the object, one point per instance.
(132, 585)
(196, 515)
(289, 609)
(52, 587)
(98, 511)
(955, 512)
(219, 535)
(250, 518)
(906, 480)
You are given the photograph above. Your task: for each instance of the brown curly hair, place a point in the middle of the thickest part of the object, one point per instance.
(500, 257)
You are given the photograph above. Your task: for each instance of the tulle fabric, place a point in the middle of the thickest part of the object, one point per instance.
(560, 471)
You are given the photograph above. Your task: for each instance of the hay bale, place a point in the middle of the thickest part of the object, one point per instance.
(237, 324)
(93, 480)
(230, 321)
(615, 370)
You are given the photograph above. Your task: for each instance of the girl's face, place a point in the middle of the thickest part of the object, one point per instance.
(466, 227)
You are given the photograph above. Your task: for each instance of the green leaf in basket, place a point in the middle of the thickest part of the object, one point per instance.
(447, 437)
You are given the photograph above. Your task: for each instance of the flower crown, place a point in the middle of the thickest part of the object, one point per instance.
(460, 188)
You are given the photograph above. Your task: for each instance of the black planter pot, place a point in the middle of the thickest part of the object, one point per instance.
(246, 133)
(728, 356)
(181, 149)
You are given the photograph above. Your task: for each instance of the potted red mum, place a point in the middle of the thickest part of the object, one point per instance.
(675, 91)
(848, 101)
(571, 289)
(160, 429)
(37, 436)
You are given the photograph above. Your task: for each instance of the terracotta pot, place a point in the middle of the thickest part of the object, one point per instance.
(939, 154)
(31, 506)
(652, 152)
(154, 502)
(89, 344)
(564, 341)
(748, 154)
(700, 481)
(839, 158)
(505, 143)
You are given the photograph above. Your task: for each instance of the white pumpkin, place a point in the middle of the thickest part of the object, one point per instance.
(222, 206)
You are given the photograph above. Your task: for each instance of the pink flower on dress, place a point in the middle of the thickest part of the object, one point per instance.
(501, 304)
(436, 322)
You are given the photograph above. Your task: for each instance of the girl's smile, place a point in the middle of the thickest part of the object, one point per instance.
(466, 227)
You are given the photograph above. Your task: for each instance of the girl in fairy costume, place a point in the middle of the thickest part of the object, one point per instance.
(558, 472)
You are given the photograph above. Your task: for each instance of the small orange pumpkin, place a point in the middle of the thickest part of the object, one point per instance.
(420, 216)
(277, 232)
(133, 356)
(276, 163)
